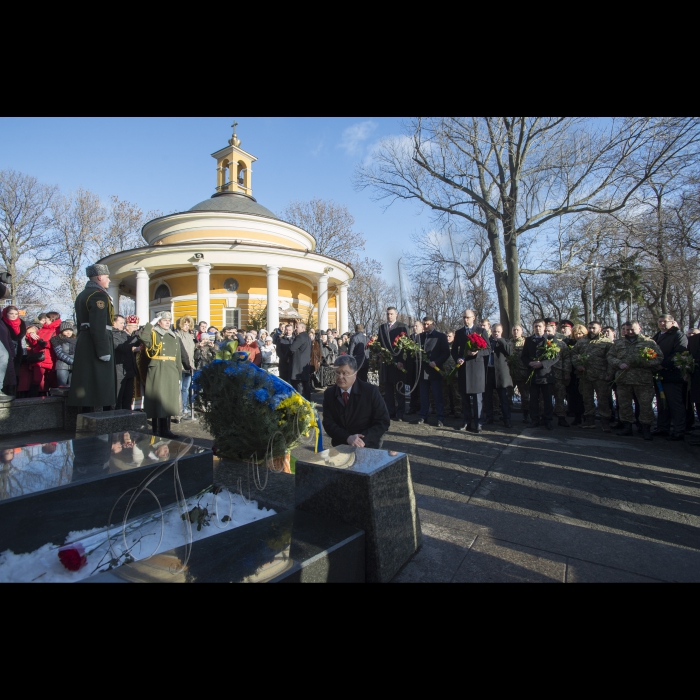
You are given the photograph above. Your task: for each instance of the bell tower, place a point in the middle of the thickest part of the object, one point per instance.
(234, 167)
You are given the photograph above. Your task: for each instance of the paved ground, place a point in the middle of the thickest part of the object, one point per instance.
(567, 505)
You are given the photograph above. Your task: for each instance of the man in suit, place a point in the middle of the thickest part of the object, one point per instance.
(284, 343)
(437, 351)
(394, 378)
(498, 377)
(542, 382)
(471, 375)
(671, 416)
(354, 412)
(300, 359)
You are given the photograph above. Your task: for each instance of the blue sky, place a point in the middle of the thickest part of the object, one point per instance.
(165, 164)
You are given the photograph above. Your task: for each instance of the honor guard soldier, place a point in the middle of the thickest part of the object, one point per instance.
(164, 354)
(93, 384)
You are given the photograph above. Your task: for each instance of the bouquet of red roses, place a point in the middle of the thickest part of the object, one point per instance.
(475, 342)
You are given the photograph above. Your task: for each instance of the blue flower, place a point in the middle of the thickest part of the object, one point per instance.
(261, 395)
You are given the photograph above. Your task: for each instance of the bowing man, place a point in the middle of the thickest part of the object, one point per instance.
(354, 412)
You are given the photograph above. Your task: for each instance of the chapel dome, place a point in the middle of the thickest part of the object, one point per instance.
(234, 203)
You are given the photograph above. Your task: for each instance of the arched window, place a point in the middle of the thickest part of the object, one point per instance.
(162, 291)
(242, 174)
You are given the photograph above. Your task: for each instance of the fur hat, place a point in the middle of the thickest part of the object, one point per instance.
(132, 319)
(166, 315)
(66, 326)
(96, 270)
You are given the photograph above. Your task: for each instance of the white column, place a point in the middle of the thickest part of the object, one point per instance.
(323, 302)
(203, 297)
(113, 291)
(273, 305)
(142, 309)
(343, 322)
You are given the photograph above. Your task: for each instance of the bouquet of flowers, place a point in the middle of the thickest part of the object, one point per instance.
(644, 357)
(251, 413)
(685, 363)
(547, 351)
(583, 360)
(378, 352)
(475, 342)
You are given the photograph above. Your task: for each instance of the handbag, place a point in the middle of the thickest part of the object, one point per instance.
(33, 357)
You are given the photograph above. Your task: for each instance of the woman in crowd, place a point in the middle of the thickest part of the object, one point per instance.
(37, 360)
(577, 332)
(186, 336)
(17, 329)
(315, 360)
(213, 330)
(270, 361)
(262, 335)
(63, 346)
(204, 351)
(251, 347)
(344, 344)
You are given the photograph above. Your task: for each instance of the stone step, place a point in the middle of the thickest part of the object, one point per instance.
(290, 547)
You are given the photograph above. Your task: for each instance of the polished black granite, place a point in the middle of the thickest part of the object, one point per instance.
(48, 490)
(369, 489)
(290, 547)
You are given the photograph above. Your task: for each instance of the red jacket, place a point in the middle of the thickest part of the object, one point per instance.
(48, 331)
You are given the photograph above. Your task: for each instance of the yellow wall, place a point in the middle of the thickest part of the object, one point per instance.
(190, 236)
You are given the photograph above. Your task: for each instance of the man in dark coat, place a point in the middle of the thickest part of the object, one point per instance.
(300, 360)
(694, 350)
(284, 345)
(671, 411)
(164, 352)
(126, 345)
(7, 365)
(358, 349)
(542, 382)
(394, 378)
(498, 377)
(471, 375)
(437, 350)
(93, 384)
(354, 412)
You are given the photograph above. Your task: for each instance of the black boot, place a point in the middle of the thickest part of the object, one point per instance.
(155, 426)
(165, 429)
(646, 432)
(626, 429)
(562, 422)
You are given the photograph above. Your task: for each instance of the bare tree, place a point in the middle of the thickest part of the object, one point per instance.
(26, 234)
(331, 224)
(514, 177)
(122, 228)
(79, 220)
(369, 295)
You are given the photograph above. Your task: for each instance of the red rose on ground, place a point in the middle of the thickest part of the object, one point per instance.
(73, 557)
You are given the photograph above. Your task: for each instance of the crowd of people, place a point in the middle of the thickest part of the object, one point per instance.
(562, 370)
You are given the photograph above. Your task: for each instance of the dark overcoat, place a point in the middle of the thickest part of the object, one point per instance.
(93, 382)
(284, 345)
(365, 414)
(544, 374)
(300, 354)
(162, 396)
(437, 349)
(694, 350)
(392, 374)
(671, 343)
(501, 351)
(472, 374)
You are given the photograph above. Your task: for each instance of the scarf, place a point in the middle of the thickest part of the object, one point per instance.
(13, 323)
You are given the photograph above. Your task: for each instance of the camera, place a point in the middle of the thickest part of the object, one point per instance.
(5, 281)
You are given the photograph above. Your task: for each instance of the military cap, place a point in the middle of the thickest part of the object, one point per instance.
(549, 320)
(566, 322)
(96, 270)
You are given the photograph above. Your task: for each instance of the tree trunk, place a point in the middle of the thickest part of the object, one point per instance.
(499, 275)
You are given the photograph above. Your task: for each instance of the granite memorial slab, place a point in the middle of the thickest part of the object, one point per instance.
(369, 489)
(102, 422)
(28, 415)
(290, 547)
(51, 489)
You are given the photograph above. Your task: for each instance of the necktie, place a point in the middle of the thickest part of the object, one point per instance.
(346, 397)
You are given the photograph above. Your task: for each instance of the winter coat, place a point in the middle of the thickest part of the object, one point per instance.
(48, 331)
(671, 343)
(437, 350)
(562, 367)
(162, 396)
(518, 371)
(501, 352)
(626, 352)
(253, 352)
(694, 350)
(16, 339)
(93, 382)
(471, 376)
(531, 348)
(597, 348)
(203, 356)
(358, 348)
(10, 378)
(188, 344)
(284, 345)
(124, 355)
(316, 355)
(64, 348)
(300, 352)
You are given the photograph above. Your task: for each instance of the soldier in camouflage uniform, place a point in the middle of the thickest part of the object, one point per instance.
(634, 377)
(562, 373)
(518, 372)
(590, 358)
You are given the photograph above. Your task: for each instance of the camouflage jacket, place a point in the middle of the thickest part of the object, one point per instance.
(562, 366)
(626, 352)
(518, 371)
(596, 367)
